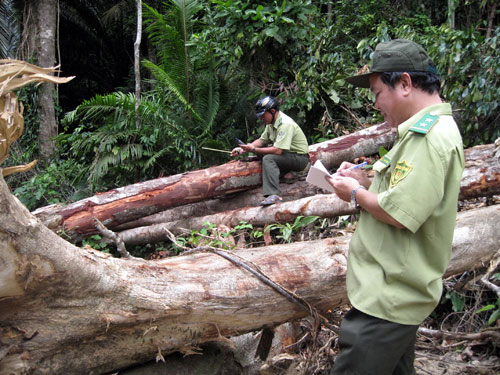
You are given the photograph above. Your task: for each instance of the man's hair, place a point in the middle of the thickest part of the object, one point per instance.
(426, 81)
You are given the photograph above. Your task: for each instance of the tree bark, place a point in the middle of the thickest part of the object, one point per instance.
(67, 310)
(349, 147)
(46, 26)
(146, 198)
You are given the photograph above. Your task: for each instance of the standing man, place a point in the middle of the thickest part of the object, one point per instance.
(402, 243)
(282, 148)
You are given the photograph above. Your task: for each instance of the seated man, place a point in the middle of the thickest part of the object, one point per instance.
(282, 147)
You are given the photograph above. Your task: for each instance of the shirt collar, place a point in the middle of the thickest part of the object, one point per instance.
(277, 121)
(436, 109)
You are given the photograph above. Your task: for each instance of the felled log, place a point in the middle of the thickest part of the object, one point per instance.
(481, 178)
(66, 310)
(322, 205)
(361, 143)
(146, 198)
(249, 198)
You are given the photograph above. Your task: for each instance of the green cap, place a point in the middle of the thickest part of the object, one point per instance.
(398, 55)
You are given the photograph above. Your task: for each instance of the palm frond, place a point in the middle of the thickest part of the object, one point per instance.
(208, 98)
(9, 30)
(121, 156)
(184, 11)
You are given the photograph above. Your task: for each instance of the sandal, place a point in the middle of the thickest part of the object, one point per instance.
(272, 199)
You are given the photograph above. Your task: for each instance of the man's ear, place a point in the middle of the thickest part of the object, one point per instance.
(405, 83)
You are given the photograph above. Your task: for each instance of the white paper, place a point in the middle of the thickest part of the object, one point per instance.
(316, 176)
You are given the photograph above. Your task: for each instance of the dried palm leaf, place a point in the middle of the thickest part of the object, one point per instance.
(15, 74)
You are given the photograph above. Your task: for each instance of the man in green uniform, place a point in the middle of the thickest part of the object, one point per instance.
(403, 239)
(282, 148)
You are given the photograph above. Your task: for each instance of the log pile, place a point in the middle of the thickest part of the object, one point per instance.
(229, 193)
(66, 308)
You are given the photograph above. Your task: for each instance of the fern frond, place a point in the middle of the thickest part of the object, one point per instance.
(163, 77)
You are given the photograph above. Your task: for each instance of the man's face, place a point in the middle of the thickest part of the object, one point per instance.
(267, 117)
(388, 100)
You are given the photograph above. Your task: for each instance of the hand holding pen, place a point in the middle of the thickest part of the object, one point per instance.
(348, 176)
(344, 167)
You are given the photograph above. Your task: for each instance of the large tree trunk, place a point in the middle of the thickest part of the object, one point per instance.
(67, 310)
(139, 200)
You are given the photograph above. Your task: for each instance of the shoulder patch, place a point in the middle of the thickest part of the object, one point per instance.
(385, 160)
(425, 123)
(401, 170)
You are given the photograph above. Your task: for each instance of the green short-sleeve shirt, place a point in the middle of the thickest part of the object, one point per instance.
(396, 274)
(285, 134)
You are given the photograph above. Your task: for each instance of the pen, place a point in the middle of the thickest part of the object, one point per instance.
(359, 165)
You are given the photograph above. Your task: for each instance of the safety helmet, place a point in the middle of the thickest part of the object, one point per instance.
(265, 104)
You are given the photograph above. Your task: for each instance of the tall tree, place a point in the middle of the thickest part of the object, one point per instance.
(39, 44)
(137, 63)
(46, 56)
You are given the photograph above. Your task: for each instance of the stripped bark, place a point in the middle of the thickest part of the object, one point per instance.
(142, 199)
(67, 310)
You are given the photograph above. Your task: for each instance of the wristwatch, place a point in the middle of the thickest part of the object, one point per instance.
(355, 204)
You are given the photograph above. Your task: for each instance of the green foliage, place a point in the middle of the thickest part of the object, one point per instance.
(9, 30)
(207, 236)
(96, 242)
(54, 183)
(457, 301)
(493, 308)
(286, 230)
(301, 51)
(470, 66)
(494, 315)
(178, 116)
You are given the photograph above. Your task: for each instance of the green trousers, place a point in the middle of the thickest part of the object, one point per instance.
(373, 346)
(274, 166)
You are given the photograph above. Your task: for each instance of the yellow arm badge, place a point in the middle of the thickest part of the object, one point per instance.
(401, 170)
